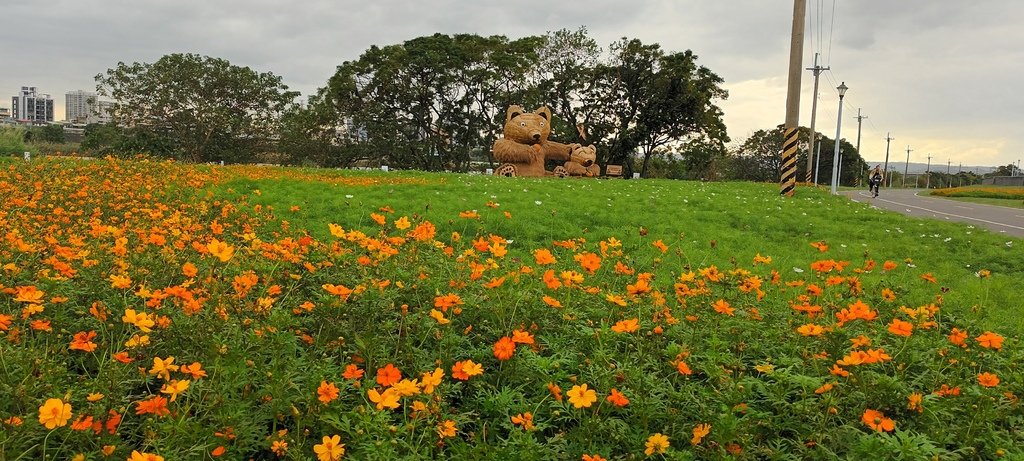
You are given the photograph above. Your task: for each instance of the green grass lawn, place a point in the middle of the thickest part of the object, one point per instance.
(703, 223)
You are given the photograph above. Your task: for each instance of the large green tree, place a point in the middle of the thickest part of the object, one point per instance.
(759, 158)
(432, 102)
(206, 108)
(653, 100)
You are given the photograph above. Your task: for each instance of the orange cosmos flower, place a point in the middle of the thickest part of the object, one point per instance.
(504, 348)
(552, 301)
(430, 380)
(699, 431)
(340, 291)
(163, 367)
(156, 405)
(876, 420)
(821, 246)
(722, 307)
(988, 379)
(352, 371)
(581, 397)
(914, 402)
(901, 328)
(120, 281)
(683, 368)
(810, 329)
(594, 457)
(463, 370)
(888, 295)
(330, 450)
(928, 277)
(327, 392)
(660, 245)
(524, 420)
(495, 282)
(175, 387)
(220, 250)
(142, 456)
(83, 342)
(522, 337)
(555, 391)
(378, 218)
(189, 270)
(446, 429)
(617, 398)
(626, 326)
(195, 369)
(402, 223)
(54, 413)
(552, 281)
(824, 388)
(423, 232)
(958, 337)
(888, 266)
(543, 257)
(590, 262)
(388, 375)
(990, 340)
(83, 423)
(616, 299)
(28, 294)
(388, 399)
(447, 301)
(656, 443)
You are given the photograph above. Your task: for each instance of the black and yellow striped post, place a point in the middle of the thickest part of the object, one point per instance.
(789, 147)
(789, 143)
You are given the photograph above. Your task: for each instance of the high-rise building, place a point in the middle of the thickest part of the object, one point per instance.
(78, 105)
(29, 106)
(83, 107)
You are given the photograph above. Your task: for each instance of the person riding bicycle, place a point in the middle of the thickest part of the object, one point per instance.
(875, 180)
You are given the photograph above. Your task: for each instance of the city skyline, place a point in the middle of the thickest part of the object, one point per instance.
(936, 75)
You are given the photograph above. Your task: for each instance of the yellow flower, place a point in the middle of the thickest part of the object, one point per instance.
(699, 431)
(430, 380)
(330, 450)
(140, 320)
(446, 429)
(389, 399)
(581, 397)
(54, 413)
(656, 443)
(94, 397)
(138, 456)
(221, 250)
(163, 367)
(175, 387)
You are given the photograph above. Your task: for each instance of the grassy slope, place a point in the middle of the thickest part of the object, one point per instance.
(703, 223)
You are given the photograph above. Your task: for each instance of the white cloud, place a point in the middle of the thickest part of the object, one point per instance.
(940, 75)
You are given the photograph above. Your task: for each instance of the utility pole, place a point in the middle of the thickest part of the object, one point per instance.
(960, 175)
(860, 118)
(948, 177)
(886, 169)
(814, 112)
(906, 169)
(928, 173)
(789, 142)
(817, 163)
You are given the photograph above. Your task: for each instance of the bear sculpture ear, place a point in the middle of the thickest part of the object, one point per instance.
(544, 112)
(513, 112)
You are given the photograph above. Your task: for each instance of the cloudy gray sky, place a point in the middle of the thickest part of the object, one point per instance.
(941, 75)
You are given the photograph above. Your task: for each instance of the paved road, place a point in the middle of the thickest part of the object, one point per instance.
(1009, 221)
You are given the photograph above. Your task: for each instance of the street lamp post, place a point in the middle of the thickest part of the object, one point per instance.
(839, 125)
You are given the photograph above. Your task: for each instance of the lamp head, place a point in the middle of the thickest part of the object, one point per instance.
(842, 89)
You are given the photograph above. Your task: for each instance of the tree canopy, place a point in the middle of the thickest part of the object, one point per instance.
(204, 108)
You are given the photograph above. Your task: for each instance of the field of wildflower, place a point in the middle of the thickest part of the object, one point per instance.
(152, 310)
(993, 192)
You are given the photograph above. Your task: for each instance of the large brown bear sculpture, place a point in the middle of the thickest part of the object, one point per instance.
(525, 147)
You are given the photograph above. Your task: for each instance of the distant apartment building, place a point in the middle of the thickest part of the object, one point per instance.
(82, 107)
(5, 113)
(32, 107)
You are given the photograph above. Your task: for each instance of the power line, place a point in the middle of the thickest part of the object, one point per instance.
(831, 29)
